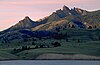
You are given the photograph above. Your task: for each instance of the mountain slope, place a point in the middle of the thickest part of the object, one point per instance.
(93, 18)
(76, 17)
(26, 23)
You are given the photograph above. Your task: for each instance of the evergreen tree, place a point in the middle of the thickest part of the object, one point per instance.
(78, 40)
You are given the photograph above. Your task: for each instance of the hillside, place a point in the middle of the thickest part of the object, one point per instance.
(66, 32)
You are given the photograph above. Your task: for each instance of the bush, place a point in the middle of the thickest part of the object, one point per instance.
(24, 47)
(33, 43)
(41, 46)
(99, 38)
(56, 44)
(73, 39)
(36, 47)
(16, 51)
(66, 39)
(78, 41)
(90, 27)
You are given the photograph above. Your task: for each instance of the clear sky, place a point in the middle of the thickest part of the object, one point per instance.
(11, 11)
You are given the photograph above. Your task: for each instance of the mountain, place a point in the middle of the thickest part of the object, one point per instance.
(76, 17)
(59, 20)
(26, 23)
(92, 19)
(64, 18)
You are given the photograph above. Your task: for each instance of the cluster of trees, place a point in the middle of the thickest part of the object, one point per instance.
(42, 46)
(58, 29)
(16, 50)
(55, 44)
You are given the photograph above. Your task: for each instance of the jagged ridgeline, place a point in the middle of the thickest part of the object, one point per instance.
(61, 24)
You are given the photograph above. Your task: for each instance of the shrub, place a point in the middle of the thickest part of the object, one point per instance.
(24, 48)
(33, 43)
(99, 38)
(36, 47)
(78, 40)
(56, 44)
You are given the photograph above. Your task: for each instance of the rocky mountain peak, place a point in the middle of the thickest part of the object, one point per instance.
(80, 11)
(65, 8)
(24, 24)
(26, 19)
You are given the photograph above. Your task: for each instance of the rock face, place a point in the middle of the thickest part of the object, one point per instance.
(80, 11)
(75, 16)
(66, 10)
(65, 14)
(53, 17)
(24, 24)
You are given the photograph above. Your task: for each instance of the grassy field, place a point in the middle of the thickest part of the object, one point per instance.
(89, 48)
(79, 42)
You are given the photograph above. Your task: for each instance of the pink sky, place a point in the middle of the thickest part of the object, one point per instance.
(11, 11)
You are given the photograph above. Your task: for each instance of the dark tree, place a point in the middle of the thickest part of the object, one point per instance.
(90, 27)
(36, 47)
(58, 29)
(41, 46)
(48, 46)
(73, 39)
(2, 41)
(78, 40)
(14, 49)
(95, 26)
(33, 43)
(24, 47)
(25, 40)
(72, 26)
(56, 44)
(99, 38)
(66, 39)
(29, 48)
(69, 26)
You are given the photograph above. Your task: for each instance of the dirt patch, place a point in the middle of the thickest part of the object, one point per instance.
(68, 57)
